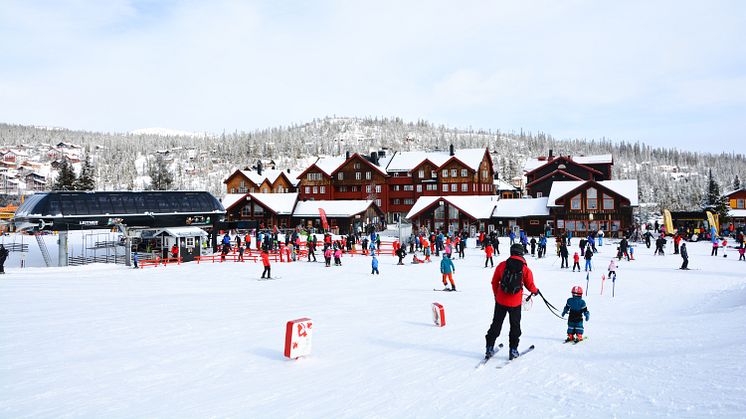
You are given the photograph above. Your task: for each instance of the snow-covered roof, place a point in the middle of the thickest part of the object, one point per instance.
(230, 199)
(337, 208)
(626, 188)
(329, 164)
(477, 206)
(280, 203)
(184, 231)
(517, 208)
(737, 213)
(532, 164)
(731, 192)
(407, 160)
(501, 185)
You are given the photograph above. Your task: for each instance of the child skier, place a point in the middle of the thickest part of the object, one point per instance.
(588, 257)
(741, 253)
(447, 269)
(488, 250)
(577, 309)
(328, 257)
(374, 265)
(612, 268)
(265, 262)
(338, 257)
(576, 261)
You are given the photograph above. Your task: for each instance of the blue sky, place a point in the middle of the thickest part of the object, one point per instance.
(669, 73)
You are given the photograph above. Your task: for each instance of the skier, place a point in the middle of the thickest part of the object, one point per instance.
(647, 237)
(684, 257)
(311, 243)
(600, 238)
(623, 245)
(374, 265)
(135, 259)
(533, 247)
(612, 268)
(338, 257)
(416, 260)
(512, 237)
(447, 269)
(742, 253)
(676, 242)
(328, 256)
(715, 246)
(588, 256)
(488, 255)
(576, 262)
(577, 309)
(401, 254)
(4, 255)
(564, 253)
(426, 249)
(659, 244)
(265, 262)
(510, 276)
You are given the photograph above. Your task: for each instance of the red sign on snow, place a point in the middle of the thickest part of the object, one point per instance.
(298, 337)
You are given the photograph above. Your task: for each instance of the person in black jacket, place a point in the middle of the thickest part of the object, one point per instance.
(685, 256)
(3, 256)
(400, 252)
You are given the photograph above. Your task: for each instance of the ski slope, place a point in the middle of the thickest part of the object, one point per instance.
(206, 341)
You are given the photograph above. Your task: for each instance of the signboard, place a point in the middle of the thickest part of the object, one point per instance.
(439, 315)
(324, 222)
(298, 337)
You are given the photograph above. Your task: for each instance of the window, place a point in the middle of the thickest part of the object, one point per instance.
(378, 188)
(454, 187)
(409, 188)
(243, 184)
(322, 189)
(396, 188)
(591, 196)
(409, 202)
(445, 173)
(433, 174)
(560, 223)
(570, 225)
(356, 166)
(343, 188)
(367, 175)
(485, 174)
(464, 187)
(419, 188)
(314, 176)
(445, 187)
(378, 202)
(354, 188)
(246, 211)
(608, 202)
(340, 176)
(308, 189)
(258, 211)
(464, 173)
(315, 190)
(190, 242)
(421, 173)
(539, 194)
(432, 187)
(575, 202)
(454, 172)
(233, 190)
(396, 201)
(367, 189)
(740, 203)
(358, 176)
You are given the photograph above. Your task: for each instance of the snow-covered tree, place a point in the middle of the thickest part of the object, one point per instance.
(85, 181)
(161, 178)
(65, 177)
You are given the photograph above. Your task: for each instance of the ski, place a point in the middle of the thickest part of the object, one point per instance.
(485, 360)
(445, 290)
(268, 279)
(575, 342)
(520, 355)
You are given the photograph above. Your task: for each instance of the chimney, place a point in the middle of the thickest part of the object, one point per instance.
(288, 170)
(453, 153)
(550, 154)
(259, 167)
(347, 155)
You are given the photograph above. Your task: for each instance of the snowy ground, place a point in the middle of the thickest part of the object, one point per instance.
(206, 341)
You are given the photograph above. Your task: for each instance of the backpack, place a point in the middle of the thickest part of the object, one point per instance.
(512, 279)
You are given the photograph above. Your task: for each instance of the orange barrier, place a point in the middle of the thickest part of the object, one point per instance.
(157, 261)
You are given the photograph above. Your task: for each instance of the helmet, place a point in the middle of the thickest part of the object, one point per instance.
(516, 250)
(577, 291)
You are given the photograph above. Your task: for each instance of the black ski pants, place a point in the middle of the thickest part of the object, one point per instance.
(266, 272)
(566, 263)
(489, 259)
(685, 263)
(514, 315)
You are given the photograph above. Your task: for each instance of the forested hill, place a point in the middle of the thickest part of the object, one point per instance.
(671, 178)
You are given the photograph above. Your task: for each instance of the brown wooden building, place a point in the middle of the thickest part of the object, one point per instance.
(541, 173)
(737, 204)
(266, 181)
(267, 209)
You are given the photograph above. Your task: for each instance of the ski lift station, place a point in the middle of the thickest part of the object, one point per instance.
(151, 221)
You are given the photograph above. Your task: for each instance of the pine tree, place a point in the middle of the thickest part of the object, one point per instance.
(85, 181)
(65, 178)
(160, 178)
(716, 203)
(736, 183)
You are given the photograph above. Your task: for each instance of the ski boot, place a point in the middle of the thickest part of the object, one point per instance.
(578, 337)
(489, 352)
(570, 338)
(453, 288)
(513, 354)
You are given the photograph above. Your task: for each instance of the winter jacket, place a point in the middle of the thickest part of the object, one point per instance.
(576, 257)
(446, 266)
(338, 253)
(265, 258)
(489, 250)
(577, 308)
(374, 263)
(328, 253)
(612, 265)
(588, 253)
(685, 253)
(512, 300)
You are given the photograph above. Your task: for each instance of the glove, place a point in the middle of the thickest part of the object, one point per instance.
(536, 293)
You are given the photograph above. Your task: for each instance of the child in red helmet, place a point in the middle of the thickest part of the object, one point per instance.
(577, 309)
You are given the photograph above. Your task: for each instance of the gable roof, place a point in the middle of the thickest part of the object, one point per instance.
(550, 174)
(533, 164)
(357, 156)
(479, 207)
(406, 161)
(338, 208)
(626, 188)
(229, 200)
(567, 159)
(279, 203)
(523, 207)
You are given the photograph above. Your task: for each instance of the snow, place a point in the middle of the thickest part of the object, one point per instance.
(231, 199)
(329, 164)
(408, 160)
(517, 208)
(477, 206)
(205, 340)
(168, 132)
(533, 163)
(737, 213)
(337, 208)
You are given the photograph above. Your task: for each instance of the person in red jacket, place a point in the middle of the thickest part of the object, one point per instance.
(510, 277)
(488, 251)
(265, 262)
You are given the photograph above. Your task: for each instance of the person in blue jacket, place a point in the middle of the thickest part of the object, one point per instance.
(577, 308)
(447, 269)
(512, 237)
(374, 265)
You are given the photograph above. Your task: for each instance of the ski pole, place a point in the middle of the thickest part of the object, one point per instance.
(603, 280)
(587, 282)
(613, 286)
